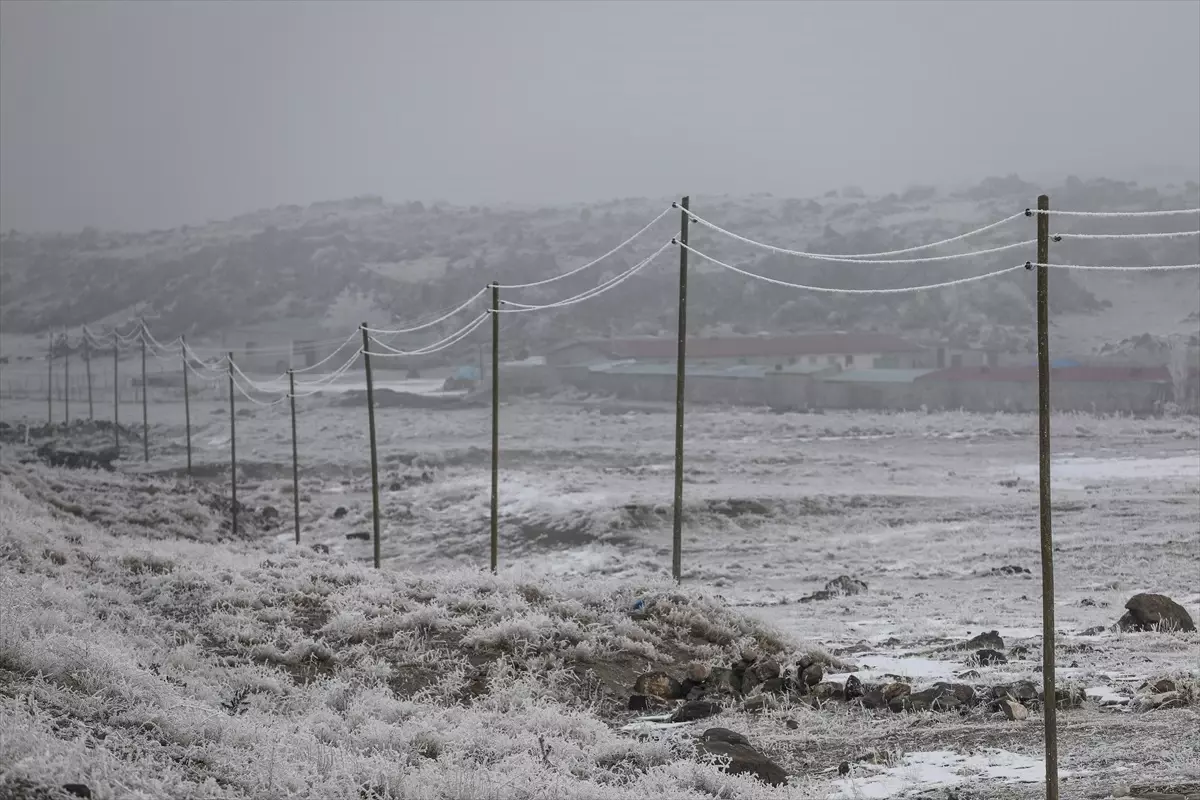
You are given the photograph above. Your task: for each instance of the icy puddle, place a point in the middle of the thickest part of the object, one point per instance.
(937, 768)
(1078, 472)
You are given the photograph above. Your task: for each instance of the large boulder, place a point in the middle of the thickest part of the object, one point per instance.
(1155, 612)
(659, 684)
(738, 757)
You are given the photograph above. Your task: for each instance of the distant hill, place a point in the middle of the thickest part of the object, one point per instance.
(329, 265)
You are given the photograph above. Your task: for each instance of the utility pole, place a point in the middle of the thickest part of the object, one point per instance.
(116, 393)
(187, 402)
(233, 506)
(66, 378)
(295, 456)
(495, 509)
(87, 366)
(1050, 711)
(366, 349)
(680, 371)
(145, 407)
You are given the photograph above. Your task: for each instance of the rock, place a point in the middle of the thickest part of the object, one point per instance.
(1009, 569)
(1172, 791)
(854, 688)
(987, 657)
(739, 758)
(1021, 691)
(811, 675)
(759, 702)
(840, 586)
(1157, 701)
(1068, 697)
(792, 725)
(321, 548)
(879, 697)
(773, 686)
(1155, 612)
(724, 735)
(340, 512)
(985, 641)
(1161, 686)
(362, 535)
(77, 789)
(1093, 631)
(1013, 710)
(827, 691)
(939, 697)
(698, 671)
(270, 512)
(1020, 652)
(695, 710)
(844, 768)
(658, 684)
(768, 669)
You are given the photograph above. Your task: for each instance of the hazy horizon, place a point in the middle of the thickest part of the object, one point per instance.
(139, 116)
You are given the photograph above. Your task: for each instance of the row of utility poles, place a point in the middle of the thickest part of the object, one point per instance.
(1045, 516)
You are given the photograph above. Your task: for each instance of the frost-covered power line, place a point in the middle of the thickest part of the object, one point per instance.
(595, 291)
(592, 263)
(1118, 267)
(1173, 212)
(437, 346)
(431, 322)
(830, 290)
(871, 257)
(1172, 235)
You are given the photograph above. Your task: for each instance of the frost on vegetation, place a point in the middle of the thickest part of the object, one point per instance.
(149, 667)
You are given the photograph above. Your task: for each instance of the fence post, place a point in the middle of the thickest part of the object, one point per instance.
(374, 452)
(1043, 347)
(145, 409)
(87, 366)
(295, 456)
(187, 403)
(50, 380)
(680, 370)
(116, 393)
(495, 511)
(232, 450)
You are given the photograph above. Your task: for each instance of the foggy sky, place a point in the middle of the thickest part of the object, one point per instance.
(154, 114)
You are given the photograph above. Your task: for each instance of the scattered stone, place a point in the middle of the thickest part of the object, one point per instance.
(827, 691)
(1161, 686)
(698, 671)
(768, 669)
(758, 702)
(811, 675)
(841, 586)
(939, 697)
(340, 512)
(363, 535)
(844, 768)
(1174, 791)
(695, 710)
(658, 684)
(1155, 612)
(988, 658)
(1022, 691)
(741, 759)
(1009, 569)
(270, 512)
(321, 548)
(77, 789)
(1014, 711)
(78, 459)
(792, 725)
(1159, 700)
(1067, 697)
(854, 688)
(1094, 631)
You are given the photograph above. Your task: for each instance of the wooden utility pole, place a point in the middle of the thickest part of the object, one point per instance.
(366, 349)
(233, 506)
(66, 378)
(116, 393)
(50, 380)
(87, 366)
(187, 402)
(495, 510)
(145, 407)
(680, 370)
(1049, 705)
(295, 456)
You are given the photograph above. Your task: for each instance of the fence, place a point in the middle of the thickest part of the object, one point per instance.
(374, 344)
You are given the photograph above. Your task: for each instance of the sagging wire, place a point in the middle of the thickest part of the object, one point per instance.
(432, 322)
(592, 263)
(436, 347)
(595, 291)
(871, 257)
(830, 290)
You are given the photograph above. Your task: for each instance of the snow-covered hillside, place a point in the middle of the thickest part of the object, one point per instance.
(329, 265)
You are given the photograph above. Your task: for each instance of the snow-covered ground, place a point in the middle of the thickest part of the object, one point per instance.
(925, 508)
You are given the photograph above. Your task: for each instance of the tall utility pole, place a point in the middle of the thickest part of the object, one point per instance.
(366, 352)
(145, 408)
(87, 366)
(187, 402)
(66, 378)
(495, 510)
(1050, 712)
(680, 371)
(116, 393)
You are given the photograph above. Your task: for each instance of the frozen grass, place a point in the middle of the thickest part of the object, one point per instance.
(922, 507)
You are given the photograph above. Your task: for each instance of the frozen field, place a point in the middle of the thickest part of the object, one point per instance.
(930, 511)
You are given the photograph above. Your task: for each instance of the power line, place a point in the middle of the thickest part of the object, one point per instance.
(829, 290)
(579, 269)
(863, 257)
(438, 346)
(1029, 212)
(1172, 235)
(432, 322)
(1118, 267)
(595, 291)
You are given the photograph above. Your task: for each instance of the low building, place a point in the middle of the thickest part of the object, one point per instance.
(879, 389)
(838, 350)
(1091, 389)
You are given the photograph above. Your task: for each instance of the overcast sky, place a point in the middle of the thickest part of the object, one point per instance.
(154, 114)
